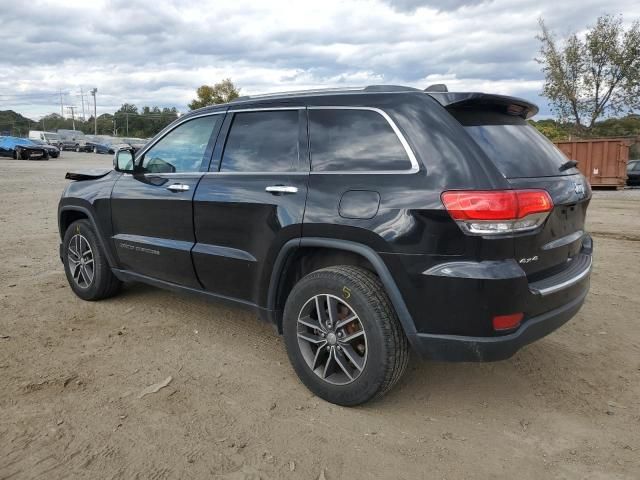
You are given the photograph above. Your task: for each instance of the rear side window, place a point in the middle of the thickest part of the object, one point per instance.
(515, 147)
(262, 142)
(354, 140)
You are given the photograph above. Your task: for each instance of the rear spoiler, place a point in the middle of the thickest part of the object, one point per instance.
(513, 105)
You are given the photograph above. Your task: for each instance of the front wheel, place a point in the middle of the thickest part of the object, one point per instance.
(343, 336)
(85, 265)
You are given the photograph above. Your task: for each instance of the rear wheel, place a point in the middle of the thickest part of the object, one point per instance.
(342, 335)
(77, 148)
(85, 265)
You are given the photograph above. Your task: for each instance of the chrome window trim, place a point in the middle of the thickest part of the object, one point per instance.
(170, 128)
(415, 166)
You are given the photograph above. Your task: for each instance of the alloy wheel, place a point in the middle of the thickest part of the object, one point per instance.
(332, 339)
(81, 261)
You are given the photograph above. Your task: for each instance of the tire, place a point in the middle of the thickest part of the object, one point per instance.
(95, 149)
(101, 282)
(78, 148)
(24, 154)
(386, 349)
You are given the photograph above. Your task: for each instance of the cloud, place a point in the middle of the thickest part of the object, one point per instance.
(157, 52)
(412, 5)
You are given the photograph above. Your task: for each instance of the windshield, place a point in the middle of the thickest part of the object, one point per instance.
(515, 147)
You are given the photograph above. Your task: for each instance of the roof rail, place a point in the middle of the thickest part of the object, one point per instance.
(390, 88)
(296, 92)
(369, 88)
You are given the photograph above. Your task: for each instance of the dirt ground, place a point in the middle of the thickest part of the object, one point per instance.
(71, 373)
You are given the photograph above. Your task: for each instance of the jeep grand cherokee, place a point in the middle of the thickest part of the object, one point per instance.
(359, 222)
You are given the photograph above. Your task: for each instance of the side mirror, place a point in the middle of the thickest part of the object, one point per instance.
(123, 161)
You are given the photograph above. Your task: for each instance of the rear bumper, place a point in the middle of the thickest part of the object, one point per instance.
(452, 305)
(456, 348)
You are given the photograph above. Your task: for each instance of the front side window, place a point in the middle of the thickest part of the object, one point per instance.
(182, 149)
(354, 140)
(265, 141)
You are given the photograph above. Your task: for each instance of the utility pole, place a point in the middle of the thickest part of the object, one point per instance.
(84, 119)
(93, 92)
(61, 107)
(73, 117)
(114, 127)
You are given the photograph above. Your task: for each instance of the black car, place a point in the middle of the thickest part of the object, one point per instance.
(22, 149)
(97, 147)
(359, 223)
(633, 172)
(52, 150)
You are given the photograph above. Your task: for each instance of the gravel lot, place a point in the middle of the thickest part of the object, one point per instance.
(71, 373)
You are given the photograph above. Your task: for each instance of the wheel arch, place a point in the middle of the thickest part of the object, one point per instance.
(71, 213)
(364, 256)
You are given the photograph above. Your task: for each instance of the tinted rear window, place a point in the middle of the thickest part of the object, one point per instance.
(262, 142)
(516, 148)
(354, 140)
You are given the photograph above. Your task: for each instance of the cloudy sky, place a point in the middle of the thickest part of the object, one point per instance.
(157, 52)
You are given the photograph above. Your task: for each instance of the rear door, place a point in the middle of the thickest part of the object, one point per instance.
(152, 211)
(252, 201)
(528, 160)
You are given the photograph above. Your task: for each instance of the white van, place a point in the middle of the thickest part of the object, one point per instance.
(47, 137)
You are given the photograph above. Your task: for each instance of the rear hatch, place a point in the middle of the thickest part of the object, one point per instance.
(527, 160)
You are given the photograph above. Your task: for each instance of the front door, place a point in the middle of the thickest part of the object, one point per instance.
(152, 210)
(252, 202)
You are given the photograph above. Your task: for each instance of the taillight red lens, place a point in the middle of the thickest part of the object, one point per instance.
(496, 204)
(507, 322)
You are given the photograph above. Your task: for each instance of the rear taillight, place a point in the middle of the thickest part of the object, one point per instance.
(494, 212)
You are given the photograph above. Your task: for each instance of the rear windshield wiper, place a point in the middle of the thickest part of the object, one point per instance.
(568, 164)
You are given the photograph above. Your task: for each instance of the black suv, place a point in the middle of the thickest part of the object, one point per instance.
(358, 222)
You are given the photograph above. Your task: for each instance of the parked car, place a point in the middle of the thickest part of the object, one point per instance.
(72, 140)
(23, 149)
(359, 223)
(53, 151)
(633, 172)
(97, 147)
(49, 138)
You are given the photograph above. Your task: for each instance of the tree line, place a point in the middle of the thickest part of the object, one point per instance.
(127, 121)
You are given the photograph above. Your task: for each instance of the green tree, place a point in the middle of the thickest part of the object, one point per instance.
(553, 130)
(221, 92)
(592, 77)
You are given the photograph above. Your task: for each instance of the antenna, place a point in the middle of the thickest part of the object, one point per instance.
(437, 87)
